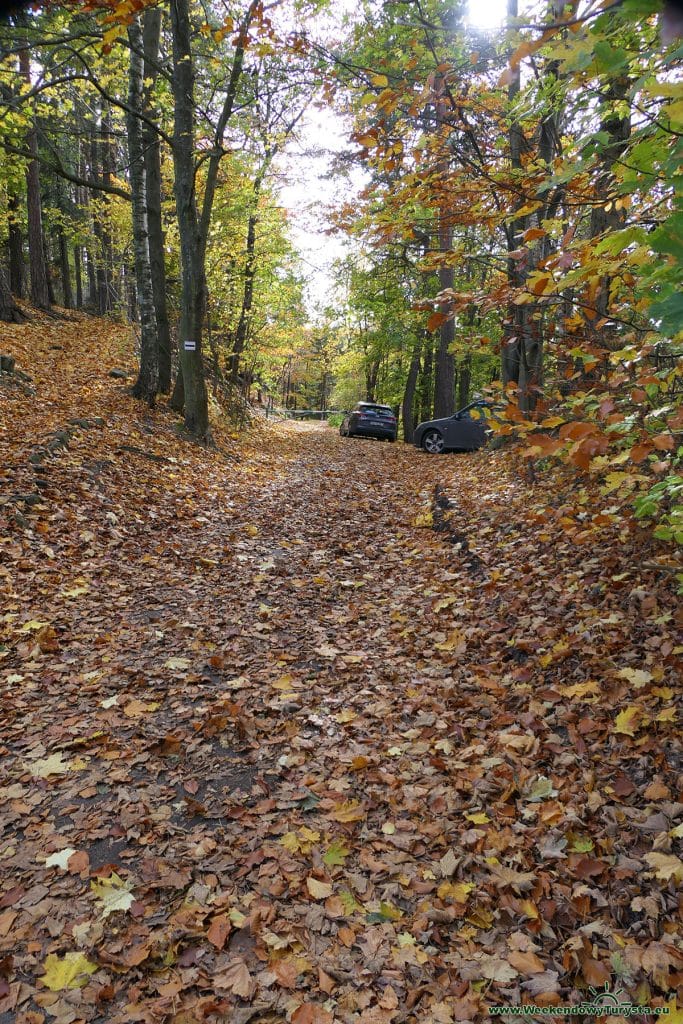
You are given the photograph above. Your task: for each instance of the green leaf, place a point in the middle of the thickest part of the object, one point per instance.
(336, 854)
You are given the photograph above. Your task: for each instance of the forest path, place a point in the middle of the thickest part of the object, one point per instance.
(333, 755)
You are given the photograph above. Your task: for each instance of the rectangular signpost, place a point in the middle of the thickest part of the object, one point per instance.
(190, 346)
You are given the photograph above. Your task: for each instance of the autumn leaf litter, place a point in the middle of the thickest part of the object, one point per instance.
(276, 748)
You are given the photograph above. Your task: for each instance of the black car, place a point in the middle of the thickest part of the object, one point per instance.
(369, 419)
(466, 431)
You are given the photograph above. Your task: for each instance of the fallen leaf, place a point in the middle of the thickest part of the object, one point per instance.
(67, 972)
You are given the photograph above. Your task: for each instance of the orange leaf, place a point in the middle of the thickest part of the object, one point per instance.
(310, 1013)
(639, 452)
(436, 320)
(540, 285)
(595, 972)
(664, 442)
(548, 445)
(575, 431)
(219, 930)
(532, 233)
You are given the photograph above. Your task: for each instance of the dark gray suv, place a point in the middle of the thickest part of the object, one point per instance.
(369, 419)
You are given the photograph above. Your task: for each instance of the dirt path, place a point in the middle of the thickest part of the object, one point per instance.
(346, 766)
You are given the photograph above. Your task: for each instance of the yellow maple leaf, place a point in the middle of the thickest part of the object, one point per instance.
(350, 810)
(456, 891)
(627, 720)
(70, 971)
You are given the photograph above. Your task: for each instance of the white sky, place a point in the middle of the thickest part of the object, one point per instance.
(306, 190)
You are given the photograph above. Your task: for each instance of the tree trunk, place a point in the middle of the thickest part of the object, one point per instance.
(79, 277)
(67, 293)
(444, 366)
(9, 311)
(604, 215)
(15, 247)
(407, 411)
(464, 379)
(193, 278)
(39, 285)
(146, 385)
(242, 330)
(151, 33)
(426, 383)
(47, 254)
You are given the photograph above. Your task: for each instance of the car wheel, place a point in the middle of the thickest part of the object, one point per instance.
(432, 442)
(391, 439)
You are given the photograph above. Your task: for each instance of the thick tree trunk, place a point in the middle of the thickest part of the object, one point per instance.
(15, 247)
(9, 311)
(193, 279)
(146, 386)
(151, 33)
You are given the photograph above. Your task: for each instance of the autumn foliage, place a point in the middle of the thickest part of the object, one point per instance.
(313, 729)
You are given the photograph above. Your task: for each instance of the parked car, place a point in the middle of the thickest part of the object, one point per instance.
(465, 431)
(369, 419)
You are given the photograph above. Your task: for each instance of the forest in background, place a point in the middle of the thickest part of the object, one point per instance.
(519, 234)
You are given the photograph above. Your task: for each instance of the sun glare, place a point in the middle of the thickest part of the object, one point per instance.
(486, 15)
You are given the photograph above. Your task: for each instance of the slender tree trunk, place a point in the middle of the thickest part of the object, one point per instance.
(15, 247)
(147, 383)
(426, 382)
(444, 367)
(49, 263)
(9, 310)
(151, 34)
(39, 279)
(407, 406)
(78, 276)
(67, 293)
(193, 279)
(513, 328)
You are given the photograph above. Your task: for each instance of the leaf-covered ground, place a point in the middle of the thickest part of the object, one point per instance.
(312, 729)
